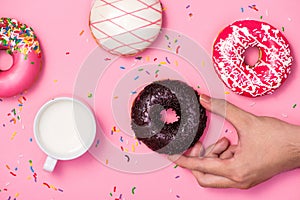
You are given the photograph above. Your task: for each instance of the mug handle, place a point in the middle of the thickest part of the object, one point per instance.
(50, 164)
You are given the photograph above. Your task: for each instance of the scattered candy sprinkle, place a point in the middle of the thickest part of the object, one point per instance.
(133, 190)
(168, 60)
(81, 32)
(90, 95)
(13, 135)
(295, 105)
(178, 196)
(176, 177)
(175, 166)
(177, 49)
(253, 7)
(188, 6)
(136, 78)
(13, 174)
(97, 143)
(226, 92)
(242, 9)
(67, 53)
(122, 67)
(282, 29)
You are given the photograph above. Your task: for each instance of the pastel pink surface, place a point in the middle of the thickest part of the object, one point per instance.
(63, 31)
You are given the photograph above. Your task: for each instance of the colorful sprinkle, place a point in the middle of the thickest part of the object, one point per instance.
(122, 67)
(168, 60)
(81, 32)
(177, 196)
(128, 158)
(133, 190)
(13, 135)
(242, 9)
(176, 177)
(13, 174)
(90, 95)
(167, 37)
(253, 7)
(282, 29)
(175, 166)
(295, 105)
(139, 58)
(188, 6)
(67, 53)
(46, 184)
(177, 49)
(136, 78)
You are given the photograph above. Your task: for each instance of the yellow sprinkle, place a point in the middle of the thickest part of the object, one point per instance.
(227, 92)
(176, 63)
(55, 81)
(28, 177)
(133, 148)
(203, 63)
(163, 63)
(17, 194)
(164, 9)
(126, 150)
(106, 161)
(137, 144)
(13, 135)
(148, 58)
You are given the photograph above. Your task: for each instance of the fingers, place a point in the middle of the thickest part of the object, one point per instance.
(229, 153)
(196, 151)
(232, 113)
(209, 180)
(218, 148)
(213, 166)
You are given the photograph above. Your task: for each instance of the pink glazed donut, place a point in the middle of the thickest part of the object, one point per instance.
(21, 43)
(272, 68)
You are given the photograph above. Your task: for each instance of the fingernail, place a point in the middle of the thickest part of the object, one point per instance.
(204, 98)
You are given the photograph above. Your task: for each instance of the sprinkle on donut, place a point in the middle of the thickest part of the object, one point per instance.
(272, 68)
(18, 37)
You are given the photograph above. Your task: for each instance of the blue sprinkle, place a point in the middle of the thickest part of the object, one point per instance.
(30, 139)
(133, 92)
(122, 67)
(242, 9)
(136, 78)
(16, 169)
(31, 168)
(121, 139)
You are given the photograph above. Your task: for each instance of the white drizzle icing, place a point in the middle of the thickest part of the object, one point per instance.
(244, 79)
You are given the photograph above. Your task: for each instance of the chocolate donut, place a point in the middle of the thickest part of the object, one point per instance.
(172, 138)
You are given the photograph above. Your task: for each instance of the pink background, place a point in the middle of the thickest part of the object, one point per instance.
(58, 25)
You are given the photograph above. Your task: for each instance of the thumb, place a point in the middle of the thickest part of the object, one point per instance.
(236, 116)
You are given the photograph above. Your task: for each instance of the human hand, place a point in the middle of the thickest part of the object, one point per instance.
(266, 147)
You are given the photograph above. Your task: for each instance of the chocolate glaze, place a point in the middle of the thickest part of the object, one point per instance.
(159, 136)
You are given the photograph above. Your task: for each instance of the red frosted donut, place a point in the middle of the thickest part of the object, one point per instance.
(21, 43)
(270, 71)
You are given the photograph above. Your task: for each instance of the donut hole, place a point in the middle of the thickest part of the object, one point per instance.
(6, 60)
(252, 56)
(169, 116)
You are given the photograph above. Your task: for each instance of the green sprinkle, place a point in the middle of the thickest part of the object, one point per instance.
(295, 105)
(110, 194)
(133, 190)
(282, 29)
(175, 166)
(198, 86)
(8, 51)
(32, 63)
(261, 17)
(26, 57)
(167, 37)
(90, 95)
(156, 71)
(141, 69)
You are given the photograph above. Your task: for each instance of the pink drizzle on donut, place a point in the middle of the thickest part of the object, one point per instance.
(268, 73)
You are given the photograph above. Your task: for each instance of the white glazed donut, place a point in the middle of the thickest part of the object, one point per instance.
(125, 27)
(272, 68)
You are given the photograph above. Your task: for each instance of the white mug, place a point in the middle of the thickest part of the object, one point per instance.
(64, 128)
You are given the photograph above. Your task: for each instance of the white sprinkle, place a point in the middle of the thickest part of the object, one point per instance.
(267, 13)
(171, 190)
(252, 104)
(289, 19)
(284, 115)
